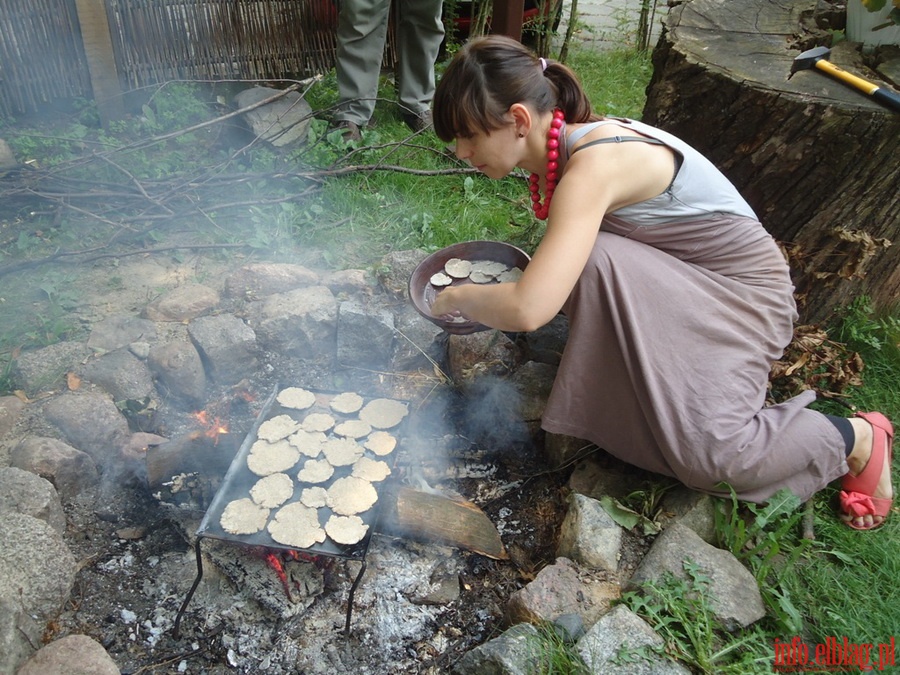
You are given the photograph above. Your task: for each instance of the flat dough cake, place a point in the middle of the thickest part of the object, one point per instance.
(384, 413)
(351, 495)
(315, 471)
(346, 403)
(342, 451)
(267, 458)
(297, 525)
(273, 490)
(372, 470)
(314, 497)
(276, 428)
(353, 429)
(381, 443)
(243, 516)
(297, 398)
(318, 421)
(346, 529)
(309, 443)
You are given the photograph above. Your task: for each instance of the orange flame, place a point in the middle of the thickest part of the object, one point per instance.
(212, 427)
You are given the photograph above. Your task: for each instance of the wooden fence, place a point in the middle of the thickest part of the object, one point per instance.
(52, 50)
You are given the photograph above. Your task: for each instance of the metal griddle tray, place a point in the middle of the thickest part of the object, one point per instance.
(239, 480)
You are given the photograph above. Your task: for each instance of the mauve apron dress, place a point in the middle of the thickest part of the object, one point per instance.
(683, 306)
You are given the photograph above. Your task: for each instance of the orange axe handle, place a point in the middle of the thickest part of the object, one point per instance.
(885, 96)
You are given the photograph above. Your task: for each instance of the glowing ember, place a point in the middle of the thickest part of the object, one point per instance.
(213, 427)
(274, 561)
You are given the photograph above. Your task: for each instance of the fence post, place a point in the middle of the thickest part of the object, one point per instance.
(101, 59)
(507, 19)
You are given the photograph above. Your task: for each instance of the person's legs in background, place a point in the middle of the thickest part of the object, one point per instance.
(420, 33)
(361, 34)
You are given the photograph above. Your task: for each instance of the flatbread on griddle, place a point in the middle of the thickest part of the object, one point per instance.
(384, 413)
(273, 490)
(276, 428)
(243, 516)
(346, 402)
(267, 458)
(372, 470)
(346, 529)
(314, 497)
(342, 451)
(315, 471)
(353, 429)
(318, 421)
(309, 443)
(381, 443)
(297, 398)
(297, 525)
(351, 495)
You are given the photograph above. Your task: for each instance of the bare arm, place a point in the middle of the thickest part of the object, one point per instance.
(596, 181)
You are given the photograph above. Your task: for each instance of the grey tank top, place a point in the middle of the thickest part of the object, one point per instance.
(699, 189)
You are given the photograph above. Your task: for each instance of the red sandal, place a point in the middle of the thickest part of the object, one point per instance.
(857, 496)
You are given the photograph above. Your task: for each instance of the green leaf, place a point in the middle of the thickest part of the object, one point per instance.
(626, 517)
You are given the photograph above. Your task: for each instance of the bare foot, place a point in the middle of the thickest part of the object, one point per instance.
(857, 460)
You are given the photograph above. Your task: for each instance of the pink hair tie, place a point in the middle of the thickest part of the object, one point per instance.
(543, 64)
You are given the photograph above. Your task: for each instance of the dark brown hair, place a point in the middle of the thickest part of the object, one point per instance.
(489, 74)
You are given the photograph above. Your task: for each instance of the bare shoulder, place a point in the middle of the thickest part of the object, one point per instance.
(632, 170)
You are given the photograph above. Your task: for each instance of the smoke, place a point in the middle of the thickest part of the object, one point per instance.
(491, 415)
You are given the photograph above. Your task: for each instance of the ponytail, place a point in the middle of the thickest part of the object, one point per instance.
(489, 74)
(570, 97)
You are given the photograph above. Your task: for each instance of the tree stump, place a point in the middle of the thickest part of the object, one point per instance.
(817, 160)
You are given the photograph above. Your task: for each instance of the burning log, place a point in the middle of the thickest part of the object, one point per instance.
(196, 452)
(435, 517)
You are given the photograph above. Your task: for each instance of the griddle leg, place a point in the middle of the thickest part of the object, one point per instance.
(362, 570)
(176, 633)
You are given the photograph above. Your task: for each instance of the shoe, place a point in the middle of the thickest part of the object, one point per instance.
(349, 130)
(418, 121)
(857, 494)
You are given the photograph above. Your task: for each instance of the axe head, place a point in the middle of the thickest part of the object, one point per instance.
(808, 58)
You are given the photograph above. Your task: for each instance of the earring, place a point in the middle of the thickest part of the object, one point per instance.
(521, 135)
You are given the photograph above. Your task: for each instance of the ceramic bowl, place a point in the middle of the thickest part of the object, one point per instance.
(422, 292)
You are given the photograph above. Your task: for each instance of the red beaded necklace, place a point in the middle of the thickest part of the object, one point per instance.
(541, 210)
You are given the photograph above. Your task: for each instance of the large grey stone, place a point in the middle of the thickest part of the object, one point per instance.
(300, 323)
(365, 335)
(420, 344)
(121, 374)
(257, 280)
(182, 303)
(179, 370)
(90, 422)
(733, 593)
(69, 470)
(20, 636)
(27, 542)
(696, 510)
(622, 630)
(71, 655)
(396, 268)
(559, 589)
(11, 408)
(116, 332)
(516, 652)
(25, 492)
(227, 346)
(43, 369)
(589, 535)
